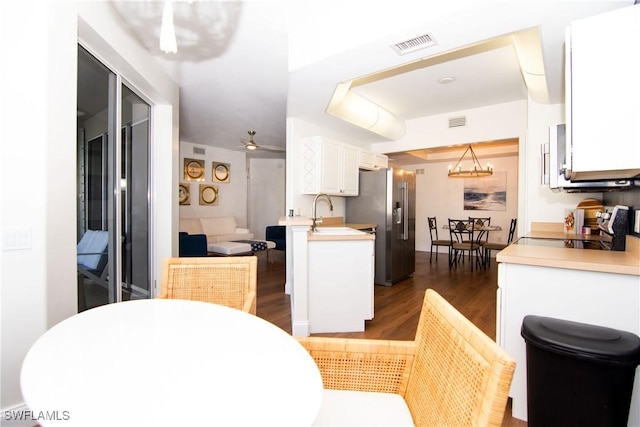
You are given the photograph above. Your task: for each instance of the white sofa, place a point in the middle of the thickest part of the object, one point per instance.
(217, 229)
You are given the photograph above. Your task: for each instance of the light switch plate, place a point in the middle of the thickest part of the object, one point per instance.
(14, 239)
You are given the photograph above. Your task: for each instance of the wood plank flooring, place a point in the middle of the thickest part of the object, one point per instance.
(397, 307)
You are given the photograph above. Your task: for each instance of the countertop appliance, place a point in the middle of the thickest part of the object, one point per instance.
(615, 225)
(387, 198)
(556, 168)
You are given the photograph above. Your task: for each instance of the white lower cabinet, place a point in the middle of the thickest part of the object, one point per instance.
(597, 298)
(340, 285)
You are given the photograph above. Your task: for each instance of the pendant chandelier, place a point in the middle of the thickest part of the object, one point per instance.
(475, 171)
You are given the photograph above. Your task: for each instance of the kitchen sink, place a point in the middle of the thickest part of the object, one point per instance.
(337, 230)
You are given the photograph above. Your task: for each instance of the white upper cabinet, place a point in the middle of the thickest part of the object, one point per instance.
(603, 95)
(372, 161)
(330, 167)
(381, 162)
(367, 160)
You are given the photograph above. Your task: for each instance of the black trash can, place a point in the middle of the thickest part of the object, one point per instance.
(578, 374)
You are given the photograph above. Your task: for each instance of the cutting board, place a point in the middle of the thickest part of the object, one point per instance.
(591, 207)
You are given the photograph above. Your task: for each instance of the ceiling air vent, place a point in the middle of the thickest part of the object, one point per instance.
(456, 122)
(416, 43)
(198, 150)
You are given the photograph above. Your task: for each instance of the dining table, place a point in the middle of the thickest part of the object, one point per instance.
(169, 362)
(480, 237)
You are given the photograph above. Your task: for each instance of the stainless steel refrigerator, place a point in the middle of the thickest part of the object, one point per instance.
(387, 198)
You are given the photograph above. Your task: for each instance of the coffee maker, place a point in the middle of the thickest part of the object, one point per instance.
(615, 226)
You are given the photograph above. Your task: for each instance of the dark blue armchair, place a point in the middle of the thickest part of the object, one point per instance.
(277, 234)
(191, 245)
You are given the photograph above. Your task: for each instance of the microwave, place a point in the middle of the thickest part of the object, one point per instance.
(554, 161)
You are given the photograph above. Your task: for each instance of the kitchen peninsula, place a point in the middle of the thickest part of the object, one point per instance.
(584, 285)
(330, 275)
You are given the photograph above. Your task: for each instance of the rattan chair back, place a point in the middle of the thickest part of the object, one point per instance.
(459, 375)
(452, 374)
(229, 281)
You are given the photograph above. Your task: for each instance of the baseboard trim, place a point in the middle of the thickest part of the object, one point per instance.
(300, 329)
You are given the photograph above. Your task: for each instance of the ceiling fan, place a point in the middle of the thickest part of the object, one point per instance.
(252, 146)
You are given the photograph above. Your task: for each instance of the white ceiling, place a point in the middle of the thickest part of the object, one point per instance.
(235, 72)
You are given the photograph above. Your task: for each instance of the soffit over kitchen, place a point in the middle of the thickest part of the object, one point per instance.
(483, 150)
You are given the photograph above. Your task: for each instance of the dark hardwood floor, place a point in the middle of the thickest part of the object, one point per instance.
(397, 307)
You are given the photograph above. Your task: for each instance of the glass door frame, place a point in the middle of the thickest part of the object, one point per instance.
(114, 158)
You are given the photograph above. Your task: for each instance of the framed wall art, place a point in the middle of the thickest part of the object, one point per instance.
(221, 172)
(486, 194)
(208, 195)
(184, 196)
(193, 169)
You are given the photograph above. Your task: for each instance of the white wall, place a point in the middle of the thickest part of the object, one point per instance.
(266, 203)
(232, 196)
(494, 122)
(39, 283)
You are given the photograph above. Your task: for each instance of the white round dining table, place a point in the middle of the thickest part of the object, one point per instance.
(164, 362)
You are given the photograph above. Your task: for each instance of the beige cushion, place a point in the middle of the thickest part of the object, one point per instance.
(229, 248)
(216, 226)
(361, 408)
(190, 225)
(217, 229)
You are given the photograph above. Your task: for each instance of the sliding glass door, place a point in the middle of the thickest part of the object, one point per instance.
(112, 187)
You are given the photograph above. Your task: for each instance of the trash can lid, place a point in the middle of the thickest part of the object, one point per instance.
(581, 340)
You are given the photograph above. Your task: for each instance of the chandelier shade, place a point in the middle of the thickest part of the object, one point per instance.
(475, 171)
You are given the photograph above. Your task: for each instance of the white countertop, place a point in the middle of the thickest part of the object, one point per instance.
(302, 221)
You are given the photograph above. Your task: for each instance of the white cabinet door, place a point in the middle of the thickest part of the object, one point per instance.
(373, 161)
(331, 174)
(350, 177)
(367, 160)
(330, 167)
(603, 95)
(381, 162)
(340, 285)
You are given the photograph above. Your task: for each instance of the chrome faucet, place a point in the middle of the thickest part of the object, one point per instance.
(315, 203)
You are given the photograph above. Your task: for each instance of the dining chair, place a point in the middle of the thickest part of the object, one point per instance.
(229, 281)
(450, 374)
(433, 230)
(482, 236)
(462, 233)
(495, 246)
(93, 256)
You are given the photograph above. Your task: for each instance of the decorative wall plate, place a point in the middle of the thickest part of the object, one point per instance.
(208, 195)
(193, 169)
(221, 172)
(184, 196)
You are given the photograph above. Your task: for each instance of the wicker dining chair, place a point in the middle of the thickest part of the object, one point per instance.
(229, 281)
(452, 374)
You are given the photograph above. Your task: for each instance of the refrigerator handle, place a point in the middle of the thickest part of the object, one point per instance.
(405, 211)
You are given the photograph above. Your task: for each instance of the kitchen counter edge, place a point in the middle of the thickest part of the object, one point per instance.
(627, 262)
